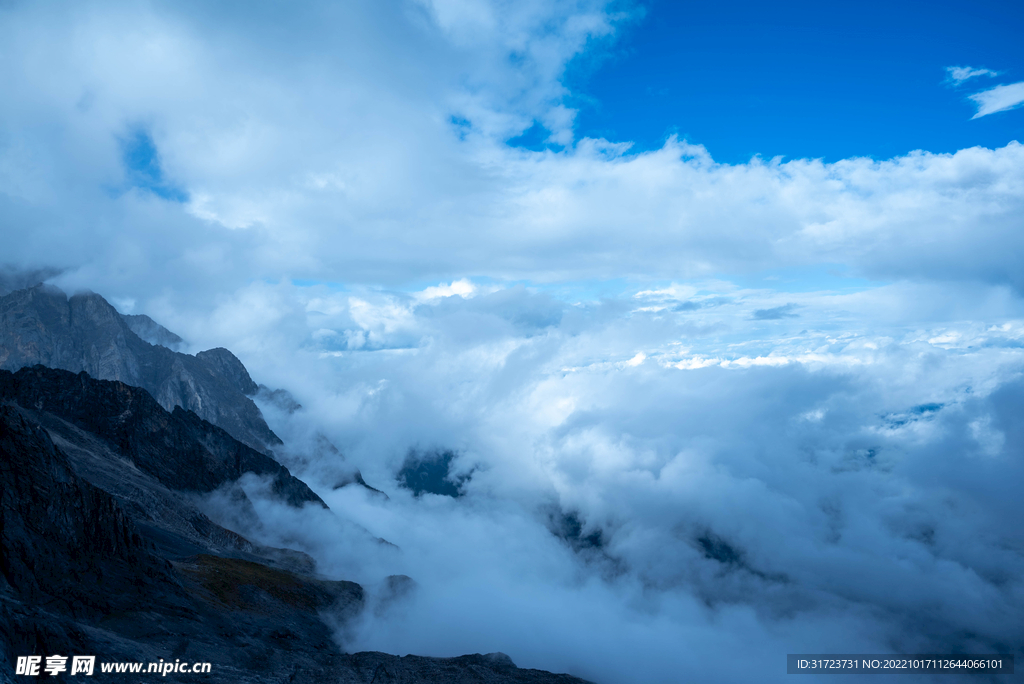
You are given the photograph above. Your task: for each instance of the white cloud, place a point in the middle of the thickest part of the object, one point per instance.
(674, 291)
(345, 161)
(959, 74)
(637, 360)
(462, 288)
(828, 450)
(999, 99)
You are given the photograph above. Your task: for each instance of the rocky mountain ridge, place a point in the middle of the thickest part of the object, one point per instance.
(42, 325)
(179, 449)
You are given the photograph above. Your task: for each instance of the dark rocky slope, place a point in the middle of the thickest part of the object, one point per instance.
(41, 325)
(180, 449)
(79, 576)
(104, 552)
(67, 545)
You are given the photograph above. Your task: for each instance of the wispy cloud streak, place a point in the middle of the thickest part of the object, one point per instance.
(959, 74)
(999, 99)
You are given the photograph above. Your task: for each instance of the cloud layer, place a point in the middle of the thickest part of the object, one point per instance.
(367, 144)
(836, 479)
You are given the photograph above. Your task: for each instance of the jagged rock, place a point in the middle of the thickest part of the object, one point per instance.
(228, 365)
(66, 543)
(280, 398)
(41, 325)
(180, 449)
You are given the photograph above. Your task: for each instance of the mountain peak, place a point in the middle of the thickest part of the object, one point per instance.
(228, 365)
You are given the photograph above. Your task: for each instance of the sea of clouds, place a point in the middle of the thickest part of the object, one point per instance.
(755, 472)
(705, 414)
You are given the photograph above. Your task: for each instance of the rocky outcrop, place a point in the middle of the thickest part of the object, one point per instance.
(104, 554)
(180, 449)
(227, 365)
(41, 325)
(66, 543)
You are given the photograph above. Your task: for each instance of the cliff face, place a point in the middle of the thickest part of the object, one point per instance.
(65, 542)
(180, 449)
(41, 325)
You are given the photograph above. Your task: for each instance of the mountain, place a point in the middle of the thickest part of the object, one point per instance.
(104, 551)
(102, 558)
(42, 325)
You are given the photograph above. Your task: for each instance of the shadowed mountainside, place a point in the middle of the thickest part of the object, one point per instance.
(137, 573)
(167, 446)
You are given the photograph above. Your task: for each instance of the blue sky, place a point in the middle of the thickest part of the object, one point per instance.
(803, 79)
